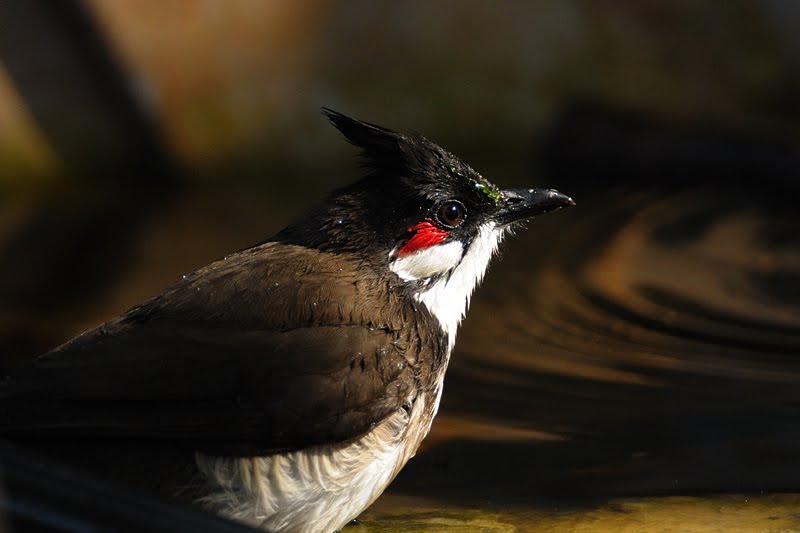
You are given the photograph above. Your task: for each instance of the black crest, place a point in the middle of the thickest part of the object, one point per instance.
(381, 146)
(408, 178)
(418, 163)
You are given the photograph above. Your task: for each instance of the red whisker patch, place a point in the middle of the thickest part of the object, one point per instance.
(426, 234)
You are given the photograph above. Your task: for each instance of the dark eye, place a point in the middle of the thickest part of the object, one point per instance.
(451, 213)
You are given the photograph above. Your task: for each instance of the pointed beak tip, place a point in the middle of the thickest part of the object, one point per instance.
(561, 197)
(522, 204)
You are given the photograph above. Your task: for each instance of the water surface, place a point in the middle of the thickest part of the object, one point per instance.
(631, 364)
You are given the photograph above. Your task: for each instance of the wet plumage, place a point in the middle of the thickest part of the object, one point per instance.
(286, 385)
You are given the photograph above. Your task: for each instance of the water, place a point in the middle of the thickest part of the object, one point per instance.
(707, 514)
(631, 363)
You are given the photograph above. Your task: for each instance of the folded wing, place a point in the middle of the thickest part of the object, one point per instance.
(249, 355)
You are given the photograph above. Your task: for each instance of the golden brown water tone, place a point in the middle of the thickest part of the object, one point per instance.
(651, 349)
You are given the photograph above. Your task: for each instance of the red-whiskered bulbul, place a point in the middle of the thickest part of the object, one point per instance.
(300, 375)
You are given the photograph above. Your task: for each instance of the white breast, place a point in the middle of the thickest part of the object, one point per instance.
(317, 489)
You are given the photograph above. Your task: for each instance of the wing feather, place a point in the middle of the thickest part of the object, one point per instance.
(226, 362)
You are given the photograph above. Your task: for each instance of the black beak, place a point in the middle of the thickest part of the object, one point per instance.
(521, 204)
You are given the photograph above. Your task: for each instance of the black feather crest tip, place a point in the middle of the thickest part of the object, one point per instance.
(381, 147)
(413, 156)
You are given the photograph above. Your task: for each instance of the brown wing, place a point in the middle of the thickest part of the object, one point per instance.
(226, 361)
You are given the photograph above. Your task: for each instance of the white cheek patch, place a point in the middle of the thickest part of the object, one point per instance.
(422, 264)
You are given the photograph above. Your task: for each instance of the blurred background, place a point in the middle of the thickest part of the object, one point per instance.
(628, 356)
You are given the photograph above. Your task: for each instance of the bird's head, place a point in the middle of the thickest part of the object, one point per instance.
(420, 211)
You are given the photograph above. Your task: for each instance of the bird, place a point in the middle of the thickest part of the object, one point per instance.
(288, 384)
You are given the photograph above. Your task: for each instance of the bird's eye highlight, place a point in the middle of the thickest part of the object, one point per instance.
(451, 213)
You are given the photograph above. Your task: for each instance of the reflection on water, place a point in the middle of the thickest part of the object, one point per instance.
(643, 343)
